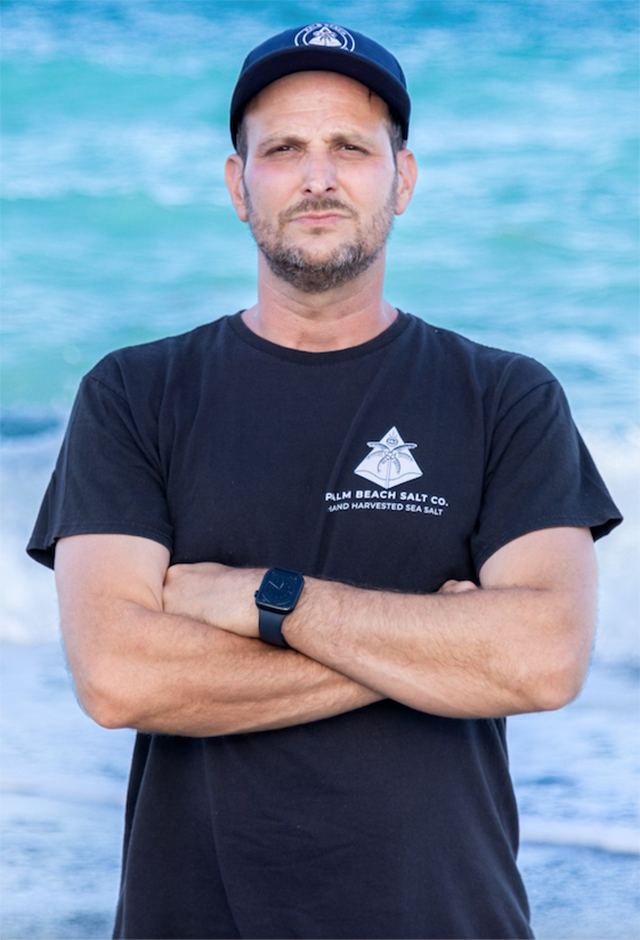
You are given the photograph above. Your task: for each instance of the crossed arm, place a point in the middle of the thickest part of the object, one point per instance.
(175, 650)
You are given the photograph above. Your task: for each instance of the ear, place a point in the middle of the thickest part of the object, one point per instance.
(407, 177)
(233, 175)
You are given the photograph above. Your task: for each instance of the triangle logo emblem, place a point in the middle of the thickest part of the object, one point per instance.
(390, 461)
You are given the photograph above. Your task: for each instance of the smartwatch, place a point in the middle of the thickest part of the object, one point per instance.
(276, 597)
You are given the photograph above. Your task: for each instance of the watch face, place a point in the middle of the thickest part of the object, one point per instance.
(280, 589)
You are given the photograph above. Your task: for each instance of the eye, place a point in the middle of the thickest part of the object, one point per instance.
(352, 148)
(281, 148)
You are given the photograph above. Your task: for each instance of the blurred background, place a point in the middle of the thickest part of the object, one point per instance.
(117, 229)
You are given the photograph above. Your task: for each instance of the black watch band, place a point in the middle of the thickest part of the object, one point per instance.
(270, 626)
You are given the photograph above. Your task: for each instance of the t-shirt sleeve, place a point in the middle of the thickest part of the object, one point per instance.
(108, 477)
(538, 472)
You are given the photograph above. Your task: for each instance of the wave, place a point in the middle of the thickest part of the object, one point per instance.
(613, 839)
(618, 638)
(67, 790)
(124, 159)
(28, 605)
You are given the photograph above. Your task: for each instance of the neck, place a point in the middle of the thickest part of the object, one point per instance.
(336, 319)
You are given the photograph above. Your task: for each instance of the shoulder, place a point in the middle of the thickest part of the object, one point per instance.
(158, 362)
(461, 360)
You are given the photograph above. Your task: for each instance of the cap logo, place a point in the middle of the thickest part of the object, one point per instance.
(325, 35)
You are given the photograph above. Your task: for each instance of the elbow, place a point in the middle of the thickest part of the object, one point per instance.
(100, 693)
(557, 663)
(560, 677)
(557, 689)
(107, 715)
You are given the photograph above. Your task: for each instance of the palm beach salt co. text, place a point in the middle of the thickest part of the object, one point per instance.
(390, 500)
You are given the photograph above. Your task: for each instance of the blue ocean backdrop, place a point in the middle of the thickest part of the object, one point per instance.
(117, 229)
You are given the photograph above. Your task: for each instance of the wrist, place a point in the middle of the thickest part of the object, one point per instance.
(324, 616)
(316, 596)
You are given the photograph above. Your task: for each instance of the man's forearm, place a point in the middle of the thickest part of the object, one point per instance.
(520, 644)
(484, 653)
(171, 675)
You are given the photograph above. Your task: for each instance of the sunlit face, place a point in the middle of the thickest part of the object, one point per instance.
(320, 183)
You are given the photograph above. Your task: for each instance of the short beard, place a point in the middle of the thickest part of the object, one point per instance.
(344, 263)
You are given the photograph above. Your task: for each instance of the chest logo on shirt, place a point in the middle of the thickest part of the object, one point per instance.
(390, 461)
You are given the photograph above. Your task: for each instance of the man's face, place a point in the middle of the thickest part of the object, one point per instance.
(320, 183)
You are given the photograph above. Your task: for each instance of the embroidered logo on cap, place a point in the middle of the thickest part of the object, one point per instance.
(325, 35)
(389, 461)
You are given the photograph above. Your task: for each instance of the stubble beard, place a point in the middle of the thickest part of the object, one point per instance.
(346, 262)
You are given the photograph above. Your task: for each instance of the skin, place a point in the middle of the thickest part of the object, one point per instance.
(319, 135)
(175, 649)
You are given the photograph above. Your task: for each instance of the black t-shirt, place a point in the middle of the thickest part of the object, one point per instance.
(399, 464)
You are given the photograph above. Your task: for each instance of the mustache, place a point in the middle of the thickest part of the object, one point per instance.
(316, 204)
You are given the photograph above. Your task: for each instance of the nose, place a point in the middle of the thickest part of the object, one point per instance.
(319, 175)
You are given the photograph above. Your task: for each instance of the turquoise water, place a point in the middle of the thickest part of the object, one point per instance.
(523, 231)
(117, 229)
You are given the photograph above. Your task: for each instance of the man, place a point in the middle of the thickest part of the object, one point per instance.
(322, 744)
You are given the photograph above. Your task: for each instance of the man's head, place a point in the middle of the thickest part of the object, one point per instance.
(320, 169)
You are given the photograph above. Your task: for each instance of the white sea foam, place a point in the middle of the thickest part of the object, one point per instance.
(137, 39)
(618, 639)
(68, 789)
(28, 606)
(89, 158)
(614, 839)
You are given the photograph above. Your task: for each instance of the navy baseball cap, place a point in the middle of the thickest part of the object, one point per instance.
(322, 47)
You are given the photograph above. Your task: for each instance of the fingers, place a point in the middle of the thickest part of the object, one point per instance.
(457, 587)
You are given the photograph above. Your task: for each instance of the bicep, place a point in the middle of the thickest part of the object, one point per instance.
(561, 559)
(96, 573)
(108, 586)
(551, 575)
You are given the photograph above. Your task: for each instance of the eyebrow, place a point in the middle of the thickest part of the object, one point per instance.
(291, 140)
(280, 140)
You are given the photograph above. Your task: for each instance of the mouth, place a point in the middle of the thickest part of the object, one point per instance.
(320, 219)
(318, 213)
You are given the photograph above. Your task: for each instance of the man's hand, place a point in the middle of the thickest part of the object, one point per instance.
(214, 594)
(457, 587)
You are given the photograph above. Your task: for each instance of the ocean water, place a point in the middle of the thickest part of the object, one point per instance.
(117, 229)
